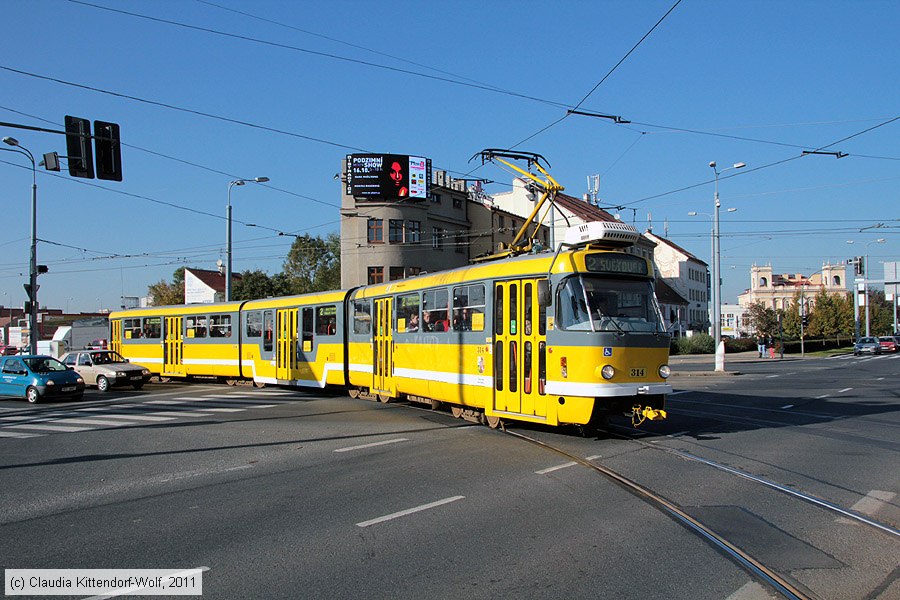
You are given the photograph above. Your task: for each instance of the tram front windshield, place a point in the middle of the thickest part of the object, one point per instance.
(590, 303)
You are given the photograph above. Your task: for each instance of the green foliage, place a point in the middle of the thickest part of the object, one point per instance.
(163, 293)
(700, 343)
(256, 284)
(831, 317)
(762, 319)
(313, 264)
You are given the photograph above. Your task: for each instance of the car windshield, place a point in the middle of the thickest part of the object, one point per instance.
(44, 364)
(590, 303)
(105, 358)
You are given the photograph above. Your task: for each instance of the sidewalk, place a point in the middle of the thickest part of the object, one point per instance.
(705, 364)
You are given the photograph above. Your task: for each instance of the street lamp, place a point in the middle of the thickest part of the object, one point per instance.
(32, 265)
(712, 240)
(717, 276)
(228, 231)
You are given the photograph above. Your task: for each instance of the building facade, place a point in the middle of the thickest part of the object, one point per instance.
(779, 291)
(386, 240)
(688, 276)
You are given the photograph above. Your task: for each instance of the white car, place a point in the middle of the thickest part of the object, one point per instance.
(105, 369)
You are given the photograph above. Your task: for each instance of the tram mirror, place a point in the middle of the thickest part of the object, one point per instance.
(543, 292)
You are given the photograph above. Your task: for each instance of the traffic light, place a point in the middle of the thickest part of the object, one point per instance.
(805, 320)
(42, 269)
(860, 265)
(108, 149)
(27, 307)
(78, 147)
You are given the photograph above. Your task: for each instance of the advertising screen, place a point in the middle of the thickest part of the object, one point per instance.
(388, 176)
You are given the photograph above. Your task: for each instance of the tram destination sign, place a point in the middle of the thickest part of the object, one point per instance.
(388, 176)
(616, 264)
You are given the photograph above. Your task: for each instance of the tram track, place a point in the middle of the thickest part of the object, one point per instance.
(755, 567)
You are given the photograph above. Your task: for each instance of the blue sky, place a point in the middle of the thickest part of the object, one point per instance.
(754, 81)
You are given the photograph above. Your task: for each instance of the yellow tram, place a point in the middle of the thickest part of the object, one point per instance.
(570, 337)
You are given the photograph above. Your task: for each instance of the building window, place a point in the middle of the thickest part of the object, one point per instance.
(500, 221)
(413, 271)
(437, 238)
(376, 231)
(436, 198)
(395, 273)
(376, 274)
(457, 202)
(395, 231)
(413, 232)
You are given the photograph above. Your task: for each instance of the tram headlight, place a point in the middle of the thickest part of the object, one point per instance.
(665, 371)
(608, 372)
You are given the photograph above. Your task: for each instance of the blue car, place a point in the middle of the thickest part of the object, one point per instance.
(38, 377)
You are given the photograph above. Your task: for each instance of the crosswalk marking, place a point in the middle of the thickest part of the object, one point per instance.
(90, 418)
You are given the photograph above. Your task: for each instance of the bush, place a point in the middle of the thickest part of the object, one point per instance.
(700, 343)
(740, 344)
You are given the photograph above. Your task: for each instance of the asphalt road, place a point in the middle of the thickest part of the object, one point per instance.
(286, 495)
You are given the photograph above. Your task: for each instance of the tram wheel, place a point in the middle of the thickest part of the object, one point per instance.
(231, 382)
(456, 411)
(353, 393)
(493, 421)
(259, 384)
(384, 398)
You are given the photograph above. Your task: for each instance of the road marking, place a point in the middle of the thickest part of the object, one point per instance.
(135, 417)
(409, 511)
(822, 396)
(372, 445)
(182, 414)
(787, 406)
(751, 591)
(873, 502)
(94, 422)
(16, 434)
(50, 428)
(131, 590)
(563, 466)
(771, 376)
(679, 392)
(844, 390)
(880, 379)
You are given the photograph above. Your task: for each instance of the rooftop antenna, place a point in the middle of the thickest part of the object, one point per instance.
(650, 221)
(666, 226)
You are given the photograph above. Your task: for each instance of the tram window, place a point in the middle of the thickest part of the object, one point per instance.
(435, 310)
(362, 317)
(407, 313)
(131, 328)
(326, 320)
(152, 327)
(254, 324)
(573, 313)
(513, 308)
(498, 310)
(498, 366)
(542, 316)
(526, 367)
(542, 367)
(527, 308)
(268, 327)
(195, 327)
(307, 329)
(220, 326)
(468, 308)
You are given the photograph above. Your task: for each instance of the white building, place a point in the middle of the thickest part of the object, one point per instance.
(687, 275)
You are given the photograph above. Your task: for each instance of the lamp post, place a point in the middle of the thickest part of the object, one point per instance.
(32, 265)
(717, 274)
(228, 231)
(866, 279)
(714, 300)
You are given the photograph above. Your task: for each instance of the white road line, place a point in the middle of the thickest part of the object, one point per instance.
(16, 434)
(59, 428)
(751, 591)
(787, 406)
(94, 422)
(772, 376)
(372, 445)
(563, 466)
(136, 417)
(679, 392)
(181, 414)
(409, 511)
(873, 502)
(844, 390)
(227, 401)
(132, 590)
(822, 396)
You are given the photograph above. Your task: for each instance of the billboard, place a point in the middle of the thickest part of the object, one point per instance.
(388, 176)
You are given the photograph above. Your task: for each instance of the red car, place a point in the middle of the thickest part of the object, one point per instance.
(888, 344)
(8, 350)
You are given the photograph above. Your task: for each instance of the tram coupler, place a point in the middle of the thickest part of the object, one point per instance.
(639, 414)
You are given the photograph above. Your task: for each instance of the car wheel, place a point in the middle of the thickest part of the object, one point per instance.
(32, 395)
(103, 384)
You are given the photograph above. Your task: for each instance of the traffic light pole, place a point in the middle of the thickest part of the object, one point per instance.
(32, 274)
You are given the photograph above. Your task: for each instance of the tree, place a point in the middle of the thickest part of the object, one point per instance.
(831, 317)
(313, 264)
(763, 320)
(256, 284)
(881, 320)
(790, 321)
(163, 293)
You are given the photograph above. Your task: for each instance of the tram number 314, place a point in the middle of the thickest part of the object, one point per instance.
(637, 372)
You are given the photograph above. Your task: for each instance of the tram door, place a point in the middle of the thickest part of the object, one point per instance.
(115, 335)
(383, 354)
(520, 349)
(173, 347)
(286, 340)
